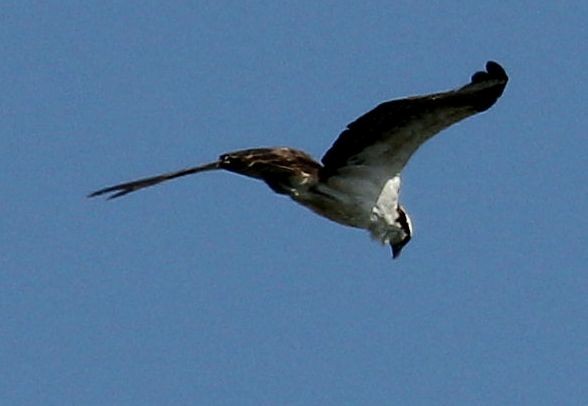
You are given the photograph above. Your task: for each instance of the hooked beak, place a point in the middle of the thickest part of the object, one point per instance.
(397, 247)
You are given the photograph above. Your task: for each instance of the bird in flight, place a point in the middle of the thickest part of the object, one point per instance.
(357, 182)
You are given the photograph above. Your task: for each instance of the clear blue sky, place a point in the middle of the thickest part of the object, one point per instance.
(212, 290)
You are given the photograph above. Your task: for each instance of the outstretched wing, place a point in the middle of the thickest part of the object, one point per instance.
(128, 187)
(282, 169)
(385, 138)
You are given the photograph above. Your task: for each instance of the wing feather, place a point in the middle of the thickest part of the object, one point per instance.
(387, 136)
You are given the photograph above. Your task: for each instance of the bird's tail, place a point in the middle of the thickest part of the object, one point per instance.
(128, 187)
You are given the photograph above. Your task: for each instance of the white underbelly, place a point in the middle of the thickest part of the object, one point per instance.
(356, 202)
(345, 200)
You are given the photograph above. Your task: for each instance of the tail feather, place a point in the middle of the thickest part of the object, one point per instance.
(128, 187)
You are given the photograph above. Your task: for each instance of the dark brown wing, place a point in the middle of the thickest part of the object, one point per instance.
(389, 134)
(128, 187)
(282, 169)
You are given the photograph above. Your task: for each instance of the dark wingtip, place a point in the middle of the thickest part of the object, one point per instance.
(479, 77)
(128, 187)
(119, 194)
(117, 191)
(95, 194)
(495, 70)
(488, 85)
(107, 190)
(120, 191)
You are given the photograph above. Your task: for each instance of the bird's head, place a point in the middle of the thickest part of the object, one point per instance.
(404, 237)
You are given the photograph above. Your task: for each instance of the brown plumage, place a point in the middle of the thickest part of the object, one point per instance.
(358, 182)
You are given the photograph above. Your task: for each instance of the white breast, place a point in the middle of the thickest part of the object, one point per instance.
(357, 197)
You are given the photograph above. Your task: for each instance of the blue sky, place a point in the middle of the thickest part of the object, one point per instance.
(212, 290)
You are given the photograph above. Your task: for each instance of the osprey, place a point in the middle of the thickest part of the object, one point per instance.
(357, 182)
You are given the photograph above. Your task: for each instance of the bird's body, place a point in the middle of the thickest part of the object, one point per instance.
(358, 182)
